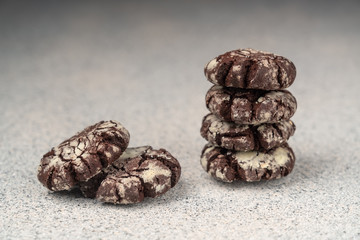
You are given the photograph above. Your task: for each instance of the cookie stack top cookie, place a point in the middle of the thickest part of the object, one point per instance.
(251, 69)
(249, 123)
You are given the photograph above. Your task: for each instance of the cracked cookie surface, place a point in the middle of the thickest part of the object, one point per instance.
(251, 69)
(140, 172)
(82, 156)
(227, 165)
(244, 106)
(245, 137)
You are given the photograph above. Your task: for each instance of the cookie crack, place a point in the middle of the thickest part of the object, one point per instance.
(140, 179)
(116, 192)
(72, 170)
(246, 75)
(228, 113)
(81, 150)
(142, 184)
(279, 104)
(253, 112)
(279, 74)
(232, 163)
(142, 160)
(233, 135)
(49, 179)
(218, 138)
(103, 159)
(256, 173)
(85, 163)
(140, 169)
(113, 138)
(230, 137)
(210, 160)
(268, 174)
(209, 100)
(227, 72)
(276, 127)
(117, 168)
(282, 171)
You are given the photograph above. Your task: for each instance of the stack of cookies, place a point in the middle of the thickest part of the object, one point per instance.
(249, 124)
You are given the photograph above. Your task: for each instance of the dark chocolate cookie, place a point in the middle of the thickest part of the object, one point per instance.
(251, 69)
(83, 156)
(245, 137)
(140, 172)
(244, 106)
(227, 165)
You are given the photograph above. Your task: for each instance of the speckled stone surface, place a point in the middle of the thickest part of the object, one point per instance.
(66, 66)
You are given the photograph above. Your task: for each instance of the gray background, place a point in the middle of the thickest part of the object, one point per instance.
(66, 65)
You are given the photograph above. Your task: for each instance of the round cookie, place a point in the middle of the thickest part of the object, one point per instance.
(140, 172)
(227, 165)
(83, 156)
(244, 106)
(251, 69)
(245, 137)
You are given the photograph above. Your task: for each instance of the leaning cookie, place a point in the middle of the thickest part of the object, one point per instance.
(251, 69)
(245, 137)
(83, 156)
(227, 166)
(140, 172)
(250, 106)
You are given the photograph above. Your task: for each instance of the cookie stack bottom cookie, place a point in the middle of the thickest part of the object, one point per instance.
(228, 165)
(249, 122)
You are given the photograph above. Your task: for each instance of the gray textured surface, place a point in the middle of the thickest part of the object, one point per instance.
(66, 66)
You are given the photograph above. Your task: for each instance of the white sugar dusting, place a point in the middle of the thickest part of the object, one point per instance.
(81, 146)
(255, 160)
(281, 156)
(153, 171)
(159, 188)
(212, 64)
(204, 159)
(236, 68)
(265, 63)
(248, 159)
(78, 152)
(221, 175)
(220, 127)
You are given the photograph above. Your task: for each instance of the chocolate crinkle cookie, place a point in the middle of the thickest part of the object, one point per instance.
(83, 156)
(227, 165)
(245, 137)
(251, 69)
(140, 172)
(243, 106)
